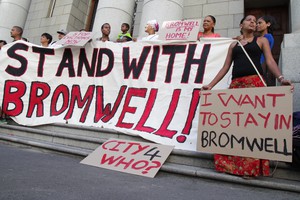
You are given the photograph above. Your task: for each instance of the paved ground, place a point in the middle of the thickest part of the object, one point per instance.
(30, 174)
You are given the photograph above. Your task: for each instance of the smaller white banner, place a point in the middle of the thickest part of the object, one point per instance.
(76, 39)
(180, 30)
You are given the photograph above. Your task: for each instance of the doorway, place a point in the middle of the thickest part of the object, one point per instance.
(279, 9)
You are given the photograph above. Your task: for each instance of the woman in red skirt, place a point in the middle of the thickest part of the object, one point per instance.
(245, 75)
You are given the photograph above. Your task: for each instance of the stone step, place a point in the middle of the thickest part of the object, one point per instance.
(262, 182)
(81, 140)
(76, 136)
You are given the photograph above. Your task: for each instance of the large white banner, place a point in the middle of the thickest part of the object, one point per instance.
(150, 89)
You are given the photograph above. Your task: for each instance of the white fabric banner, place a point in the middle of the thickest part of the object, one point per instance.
(150, 89)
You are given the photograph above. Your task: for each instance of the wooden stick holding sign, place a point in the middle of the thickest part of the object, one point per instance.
(251, 122)
(133, 157)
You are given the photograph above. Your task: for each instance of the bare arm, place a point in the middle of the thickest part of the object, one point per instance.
(222, 71)
(271, 64)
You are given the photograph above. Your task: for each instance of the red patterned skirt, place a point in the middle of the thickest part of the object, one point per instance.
(237, 165)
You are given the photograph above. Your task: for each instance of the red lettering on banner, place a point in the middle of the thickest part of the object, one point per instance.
(190, 117)
(64, 100)
(36, 99)
(13, 97)
(63, 91)
(106, 113)
(81, 102)
(132, 92)
(163, 131)
(149, 105)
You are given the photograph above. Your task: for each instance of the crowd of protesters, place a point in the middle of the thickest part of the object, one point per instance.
(47, 40)
(256, 38)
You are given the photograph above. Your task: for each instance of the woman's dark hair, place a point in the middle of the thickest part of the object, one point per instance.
(242, 20)
(48, 36)
(3, 41)
(271, 20)
(214, 20)
(127, 25)
(104, 25)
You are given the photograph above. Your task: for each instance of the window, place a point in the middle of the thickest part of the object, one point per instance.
(51, 8)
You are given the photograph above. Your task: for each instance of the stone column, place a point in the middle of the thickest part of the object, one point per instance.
(295, 16)
(114, 12)
(161, 11)
(12, 13)
(290, 51)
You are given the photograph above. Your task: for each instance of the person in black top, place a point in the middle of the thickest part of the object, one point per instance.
(244, 75)
(254, 46)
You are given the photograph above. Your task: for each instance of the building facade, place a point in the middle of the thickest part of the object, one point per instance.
(39, 16)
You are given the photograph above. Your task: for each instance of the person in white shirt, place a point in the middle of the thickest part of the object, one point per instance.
(60, 34)
(151, 28)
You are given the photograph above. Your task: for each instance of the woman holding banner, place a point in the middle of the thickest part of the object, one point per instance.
(247, 72)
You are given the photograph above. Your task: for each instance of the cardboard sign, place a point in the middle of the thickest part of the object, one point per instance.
(132, 157)
(250, 122)
(180, 30)
(76, 38)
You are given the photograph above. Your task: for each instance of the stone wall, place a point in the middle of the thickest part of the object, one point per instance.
(68, 14)
(228, 13)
